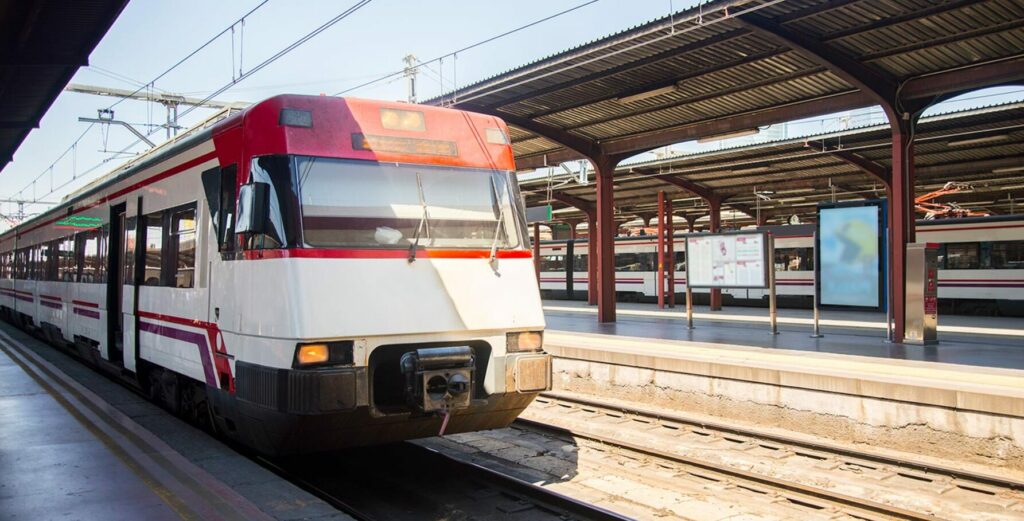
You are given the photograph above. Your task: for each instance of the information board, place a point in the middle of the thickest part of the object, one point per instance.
(728, 260)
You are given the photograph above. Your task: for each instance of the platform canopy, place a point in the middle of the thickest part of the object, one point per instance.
(731, 66)
(981, 149)
(42, 45)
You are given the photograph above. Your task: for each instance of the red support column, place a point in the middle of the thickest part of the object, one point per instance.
(591, 260)
(715, 205)
(670, 231)
(606, 231)
(901, 219)
(536, 251)
(660, 272)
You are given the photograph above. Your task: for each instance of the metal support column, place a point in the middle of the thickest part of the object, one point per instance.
(536, 251)
(660, 272)
(670, 231)
(901, 219)
(715, 206)
(816, 333)
(591, 260)
(606, 231)
(773, 311)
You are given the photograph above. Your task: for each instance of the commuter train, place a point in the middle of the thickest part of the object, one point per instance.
(306, 274)
(981, 266)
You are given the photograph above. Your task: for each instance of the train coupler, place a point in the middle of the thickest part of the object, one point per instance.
(438, 379)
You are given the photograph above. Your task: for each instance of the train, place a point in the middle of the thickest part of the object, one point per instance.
(981, 266)
(306, 274)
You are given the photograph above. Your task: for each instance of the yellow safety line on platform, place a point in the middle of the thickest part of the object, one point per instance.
(786, 320)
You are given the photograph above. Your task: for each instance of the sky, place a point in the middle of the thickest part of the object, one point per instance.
(152, 35)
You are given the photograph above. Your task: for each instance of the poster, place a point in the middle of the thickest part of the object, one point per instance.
(849, 268)
(726, 261)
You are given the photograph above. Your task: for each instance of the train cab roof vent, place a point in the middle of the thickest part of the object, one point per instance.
(296, 118)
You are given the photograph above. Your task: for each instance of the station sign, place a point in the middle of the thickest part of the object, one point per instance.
(538, 214)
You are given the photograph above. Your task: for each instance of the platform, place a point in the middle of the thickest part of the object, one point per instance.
(899, 398)
(75, 445)
(963, 340)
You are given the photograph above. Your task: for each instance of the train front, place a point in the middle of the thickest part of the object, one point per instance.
(386, 289)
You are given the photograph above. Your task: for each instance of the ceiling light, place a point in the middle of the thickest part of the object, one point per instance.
(644, 95)
(729, 135)
(1008, 170)
(978, 141)
(752, 170)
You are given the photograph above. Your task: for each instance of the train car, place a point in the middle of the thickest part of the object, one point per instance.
(981, 266)
(309, 273)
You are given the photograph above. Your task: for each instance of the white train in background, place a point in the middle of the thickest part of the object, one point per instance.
(981, 266)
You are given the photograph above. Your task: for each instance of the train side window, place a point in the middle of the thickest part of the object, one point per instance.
(579, 263)
(552, 263)
(634, 261)
(1007, 255)
(67, 271)
(962, 256)
(154, 237)
(221, 187)
(49, 262)
(183, 243)
(130, 225)
(680, 260)
(92, 257)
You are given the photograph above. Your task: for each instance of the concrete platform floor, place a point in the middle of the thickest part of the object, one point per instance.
(75, 445)
(963, 340)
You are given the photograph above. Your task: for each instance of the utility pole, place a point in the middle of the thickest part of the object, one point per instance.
(410, 76)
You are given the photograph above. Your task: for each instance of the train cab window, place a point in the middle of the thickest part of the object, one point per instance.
(552, 263)
(183, 241)
(962, 256)
(1007, 255)
(154, 237)
(282, 219)
(221, 189)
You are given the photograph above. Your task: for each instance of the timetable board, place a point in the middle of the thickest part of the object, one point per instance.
(730, 260)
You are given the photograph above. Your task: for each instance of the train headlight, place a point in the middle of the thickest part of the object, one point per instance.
(329, 353)
(525, 341)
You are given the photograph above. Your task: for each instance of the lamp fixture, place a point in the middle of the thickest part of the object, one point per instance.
(647, 94)
(729, 135)
(977, 141)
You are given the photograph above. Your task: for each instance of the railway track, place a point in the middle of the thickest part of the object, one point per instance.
(418, 482)
(829, 478)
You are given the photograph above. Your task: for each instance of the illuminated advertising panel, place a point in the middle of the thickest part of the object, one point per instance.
(849, 261)
(729, 260)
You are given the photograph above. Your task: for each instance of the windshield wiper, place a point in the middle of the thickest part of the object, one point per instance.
(501, 220)
(423, 220)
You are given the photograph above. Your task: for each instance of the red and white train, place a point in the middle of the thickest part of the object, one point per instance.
(981, 266)
(308, 273)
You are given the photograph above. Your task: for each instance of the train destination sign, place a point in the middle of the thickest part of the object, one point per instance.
(729, 260)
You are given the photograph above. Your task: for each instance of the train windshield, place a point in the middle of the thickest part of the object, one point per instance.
(350, 203)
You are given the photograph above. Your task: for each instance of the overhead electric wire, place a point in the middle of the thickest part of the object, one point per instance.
(290, 47)
(139, 89)
(466, 48)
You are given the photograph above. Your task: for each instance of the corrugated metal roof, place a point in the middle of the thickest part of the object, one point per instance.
(987, 139)
(42, 44)
(726, 71)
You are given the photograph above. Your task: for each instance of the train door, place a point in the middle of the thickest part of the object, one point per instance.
(115, 284)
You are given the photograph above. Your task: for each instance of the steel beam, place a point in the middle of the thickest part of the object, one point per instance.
(868, 80)
(876, 170)
(988, 74)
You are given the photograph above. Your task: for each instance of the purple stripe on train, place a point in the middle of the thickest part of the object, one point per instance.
(54, 305)
(87, 313)
(191, 337)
